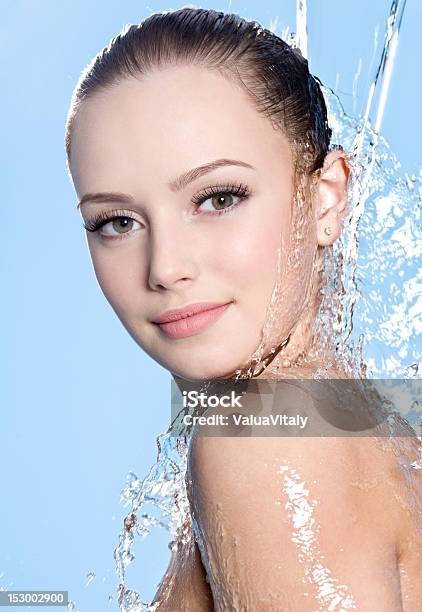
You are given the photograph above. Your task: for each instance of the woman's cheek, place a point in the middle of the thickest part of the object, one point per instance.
(119, 277)
(248, 249)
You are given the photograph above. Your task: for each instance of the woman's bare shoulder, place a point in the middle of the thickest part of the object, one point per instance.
(361, 470)
(288, 503)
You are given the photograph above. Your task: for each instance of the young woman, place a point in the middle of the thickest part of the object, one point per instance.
(198, 145)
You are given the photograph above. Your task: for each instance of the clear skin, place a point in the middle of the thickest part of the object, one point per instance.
(133, 140)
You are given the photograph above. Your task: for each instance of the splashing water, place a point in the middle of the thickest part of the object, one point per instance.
(378, 257)
(164, 489)
(381, 271)
(370, 301)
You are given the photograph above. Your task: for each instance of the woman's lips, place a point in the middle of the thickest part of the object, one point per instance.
(193, 324)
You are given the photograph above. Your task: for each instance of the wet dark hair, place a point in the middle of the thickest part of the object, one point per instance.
(274, 75)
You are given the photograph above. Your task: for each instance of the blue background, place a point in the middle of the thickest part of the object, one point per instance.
(81, 404)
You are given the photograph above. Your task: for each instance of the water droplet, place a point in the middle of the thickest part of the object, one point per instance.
(411, 371)
(131, 477)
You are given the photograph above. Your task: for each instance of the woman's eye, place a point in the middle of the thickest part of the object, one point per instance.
(218, 202)
(120, 225)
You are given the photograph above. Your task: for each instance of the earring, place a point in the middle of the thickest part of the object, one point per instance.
(327, 230)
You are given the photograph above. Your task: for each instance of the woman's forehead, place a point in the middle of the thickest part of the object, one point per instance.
(183, 113)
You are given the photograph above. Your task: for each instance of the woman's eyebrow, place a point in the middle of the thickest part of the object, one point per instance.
(108, 196)
(175, 185)
(191, 175)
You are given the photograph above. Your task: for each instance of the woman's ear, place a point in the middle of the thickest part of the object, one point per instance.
(331, 197)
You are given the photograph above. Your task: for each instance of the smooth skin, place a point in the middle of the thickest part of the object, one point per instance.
(130, 144)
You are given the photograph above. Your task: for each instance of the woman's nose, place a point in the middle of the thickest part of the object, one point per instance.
(171, 258)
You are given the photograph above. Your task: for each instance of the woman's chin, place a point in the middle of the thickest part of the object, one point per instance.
(206, 369)
(196, 373)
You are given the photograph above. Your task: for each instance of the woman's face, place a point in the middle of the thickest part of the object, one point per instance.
(176, 242)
